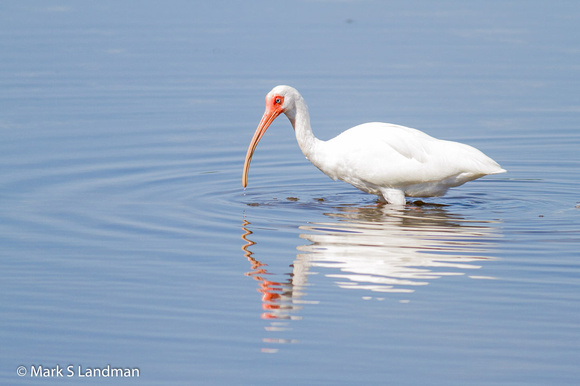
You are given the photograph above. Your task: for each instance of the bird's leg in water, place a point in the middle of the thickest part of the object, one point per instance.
(394, 196)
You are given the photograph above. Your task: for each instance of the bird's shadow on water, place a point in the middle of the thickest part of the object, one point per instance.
(375, 248)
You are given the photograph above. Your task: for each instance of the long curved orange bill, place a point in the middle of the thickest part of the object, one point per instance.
(267, 119)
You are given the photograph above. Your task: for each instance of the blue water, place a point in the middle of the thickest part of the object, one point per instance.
(127, 240)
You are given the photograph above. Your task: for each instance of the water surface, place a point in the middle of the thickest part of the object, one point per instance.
(127, 240)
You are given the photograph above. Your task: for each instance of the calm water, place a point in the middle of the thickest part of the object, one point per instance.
(127, 240)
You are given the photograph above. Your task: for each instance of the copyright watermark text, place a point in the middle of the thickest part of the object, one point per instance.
(69, 371)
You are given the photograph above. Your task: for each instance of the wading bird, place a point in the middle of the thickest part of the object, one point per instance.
(388, 160)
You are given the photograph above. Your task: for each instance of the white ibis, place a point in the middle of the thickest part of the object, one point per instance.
(388, 160)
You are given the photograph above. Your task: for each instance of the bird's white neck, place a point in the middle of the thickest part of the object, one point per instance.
(300, 119)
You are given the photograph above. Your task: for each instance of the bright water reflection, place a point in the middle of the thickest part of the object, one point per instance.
(384, 249)
(377, 249)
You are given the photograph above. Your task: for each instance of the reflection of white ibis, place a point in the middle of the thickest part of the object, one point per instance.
(388, 160)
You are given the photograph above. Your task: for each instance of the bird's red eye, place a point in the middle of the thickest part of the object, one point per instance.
(275, 101)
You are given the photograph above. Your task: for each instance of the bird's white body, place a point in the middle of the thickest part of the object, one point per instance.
(388, 160)
(377, 157)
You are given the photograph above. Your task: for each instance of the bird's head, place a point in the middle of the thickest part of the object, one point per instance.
(282, 99)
